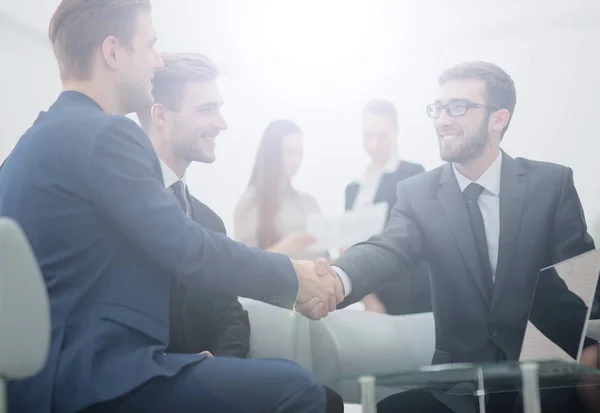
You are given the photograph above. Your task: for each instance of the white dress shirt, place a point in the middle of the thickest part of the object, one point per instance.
(170, 177)
(369, 182)
(489, 204)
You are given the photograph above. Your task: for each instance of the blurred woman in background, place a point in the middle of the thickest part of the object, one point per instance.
(271, 214)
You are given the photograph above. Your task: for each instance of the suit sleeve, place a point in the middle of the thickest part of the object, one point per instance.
(231, 328)
(125, 184)
(371, 265)
(569, 230)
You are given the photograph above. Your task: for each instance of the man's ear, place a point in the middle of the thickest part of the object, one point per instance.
(109, 52)
(160, 115)
(500, 119)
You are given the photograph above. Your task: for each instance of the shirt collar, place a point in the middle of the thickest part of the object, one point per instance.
(390, 167)
(489, 180)
(169, 177)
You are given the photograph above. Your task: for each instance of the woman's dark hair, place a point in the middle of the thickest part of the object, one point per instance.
(269, 180)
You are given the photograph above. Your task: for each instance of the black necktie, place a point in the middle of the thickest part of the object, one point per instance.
(471, 194)
(178, 189)
(177, 337)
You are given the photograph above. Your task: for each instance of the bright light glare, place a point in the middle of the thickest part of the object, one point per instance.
(315, 35)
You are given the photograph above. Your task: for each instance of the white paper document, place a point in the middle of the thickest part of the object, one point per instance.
(344, 230)
(537, 346)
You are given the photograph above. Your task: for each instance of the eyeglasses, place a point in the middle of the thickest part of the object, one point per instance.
(454, 108)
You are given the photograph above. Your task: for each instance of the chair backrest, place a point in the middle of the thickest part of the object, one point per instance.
(24, 306)
(278, 333)
(350, 342)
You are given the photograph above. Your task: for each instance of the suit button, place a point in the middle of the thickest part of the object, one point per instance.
(493, 332)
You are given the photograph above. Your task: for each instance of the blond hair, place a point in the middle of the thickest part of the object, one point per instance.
(78, 28)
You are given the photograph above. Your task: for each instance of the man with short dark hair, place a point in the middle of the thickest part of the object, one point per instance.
(86, 186)
(187, 117)
(486, 224)
(183, 125)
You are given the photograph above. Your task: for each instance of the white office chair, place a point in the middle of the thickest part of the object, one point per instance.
(24, 309)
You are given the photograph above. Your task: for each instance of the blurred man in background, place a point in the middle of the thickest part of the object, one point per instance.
(377, 184)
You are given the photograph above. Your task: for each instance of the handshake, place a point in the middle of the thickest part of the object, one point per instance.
(320, 289)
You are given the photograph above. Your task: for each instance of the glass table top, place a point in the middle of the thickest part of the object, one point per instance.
(499, 377)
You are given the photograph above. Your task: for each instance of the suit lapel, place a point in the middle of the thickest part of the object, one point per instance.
(513, 191)
(454, 208)
(205, 216)
(352, 192)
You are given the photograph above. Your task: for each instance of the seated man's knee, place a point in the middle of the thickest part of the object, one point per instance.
(299, 388)
(293, 374)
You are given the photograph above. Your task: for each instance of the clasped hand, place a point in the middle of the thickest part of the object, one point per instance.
(320, 289)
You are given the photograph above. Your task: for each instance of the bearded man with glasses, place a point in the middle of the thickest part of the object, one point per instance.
(486, 223)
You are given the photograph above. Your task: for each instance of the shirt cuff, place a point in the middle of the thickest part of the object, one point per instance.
(345, 280)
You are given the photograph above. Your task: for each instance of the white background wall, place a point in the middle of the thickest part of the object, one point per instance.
(28, 81)
(317, 66)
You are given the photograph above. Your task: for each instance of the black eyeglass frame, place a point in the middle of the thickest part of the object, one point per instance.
(467, 104)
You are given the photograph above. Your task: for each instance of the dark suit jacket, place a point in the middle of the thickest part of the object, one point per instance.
(542, 223)
(410, 294)
(87, 189)
(386, 192)
(204, 321)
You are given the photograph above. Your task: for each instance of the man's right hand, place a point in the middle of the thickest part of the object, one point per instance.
(206, 353)
(320, 290)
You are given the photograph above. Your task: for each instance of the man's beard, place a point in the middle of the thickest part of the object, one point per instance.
(470, 148)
